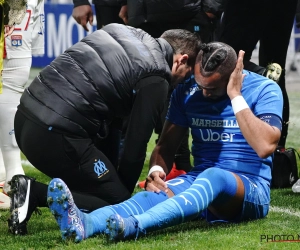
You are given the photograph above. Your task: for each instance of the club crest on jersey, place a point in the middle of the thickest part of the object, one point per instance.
(100, 168)
(16, 40)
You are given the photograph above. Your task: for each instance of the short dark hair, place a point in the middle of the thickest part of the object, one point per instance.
(216, 57)
(183, 42)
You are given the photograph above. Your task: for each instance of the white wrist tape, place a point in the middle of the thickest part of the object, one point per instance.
(155, 168)
(238, 103)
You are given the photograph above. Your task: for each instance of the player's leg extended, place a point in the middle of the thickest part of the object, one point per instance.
(211, 185)
(15, 76)
(75, 224)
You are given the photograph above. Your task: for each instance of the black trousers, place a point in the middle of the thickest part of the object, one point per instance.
(106, 15)
(87, 171)
(245, 22)
(200, 24)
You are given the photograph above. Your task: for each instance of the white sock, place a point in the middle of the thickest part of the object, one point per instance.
(2, 169)
(10, 151)
(14, 76)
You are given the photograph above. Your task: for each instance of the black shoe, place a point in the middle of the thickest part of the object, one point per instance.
(20, 207)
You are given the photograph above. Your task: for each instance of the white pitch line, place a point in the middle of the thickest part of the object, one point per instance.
(284, 210)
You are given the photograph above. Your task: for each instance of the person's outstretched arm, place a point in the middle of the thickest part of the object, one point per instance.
(83, 13)
(162, 157)
(123, 14)
(151, 94)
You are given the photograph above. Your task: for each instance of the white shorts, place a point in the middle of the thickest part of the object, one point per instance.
(28, 37)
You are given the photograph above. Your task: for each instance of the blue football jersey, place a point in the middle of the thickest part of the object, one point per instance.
(217, 139)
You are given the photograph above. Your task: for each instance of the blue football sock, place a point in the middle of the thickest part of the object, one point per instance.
(211, 185)
(137, 204)
(119, 228)
(76, 224)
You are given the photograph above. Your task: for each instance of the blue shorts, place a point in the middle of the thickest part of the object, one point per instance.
(256, 198)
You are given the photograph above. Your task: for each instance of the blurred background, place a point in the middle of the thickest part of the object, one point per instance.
(62, 31)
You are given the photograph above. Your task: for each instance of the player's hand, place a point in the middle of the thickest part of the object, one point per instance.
(236, 79)
(155, 182)
(123, 14)
(83, 15)
(8, 30)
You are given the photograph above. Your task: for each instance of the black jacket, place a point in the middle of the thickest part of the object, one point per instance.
(161, 11)
(103, 77)
(298, 15)
(153, 11)
(111, 3)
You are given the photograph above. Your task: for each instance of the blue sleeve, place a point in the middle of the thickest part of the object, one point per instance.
(270, 100)
(176, 111)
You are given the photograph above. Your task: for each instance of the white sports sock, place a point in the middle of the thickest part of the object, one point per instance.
(15, 76)
(10, 151)
(2, 169)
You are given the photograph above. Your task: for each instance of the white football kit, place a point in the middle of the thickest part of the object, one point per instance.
(28, 37)
(26, 40)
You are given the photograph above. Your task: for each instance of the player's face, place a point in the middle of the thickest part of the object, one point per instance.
(213, 86)
(182, 73)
